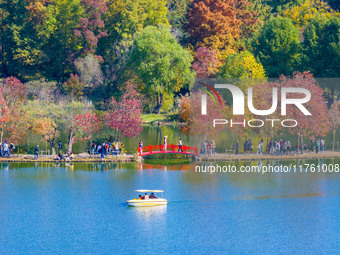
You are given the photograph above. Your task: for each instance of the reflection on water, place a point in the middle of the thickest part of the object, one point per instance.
(149, 213)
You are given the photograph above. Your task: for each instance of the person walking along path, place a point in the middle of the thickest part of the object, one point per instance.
(36, 152)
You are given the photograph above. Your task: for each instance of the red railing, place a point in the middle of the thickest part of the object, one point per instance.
(171, 148)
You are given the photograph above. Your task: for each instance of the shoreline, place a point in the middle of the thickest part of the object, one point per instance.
(254, 157)
(25, 158)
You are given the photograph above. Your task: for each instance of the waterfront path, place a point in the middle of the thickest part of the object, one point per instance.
(84, 157)
(256, 157)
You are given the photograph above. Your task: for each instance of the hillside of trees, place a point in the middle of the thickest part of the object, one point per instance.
(73, 55)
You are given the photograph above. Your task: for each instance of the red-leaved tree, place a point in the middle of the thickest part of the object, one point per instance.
(125, 116)
(88, 124)
(205, 64)
(4, 113)
(316, 124)
(14, 93)
(91, 28)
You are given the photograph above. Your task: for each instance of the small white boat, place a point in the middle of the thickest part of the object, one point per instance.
(147, 202)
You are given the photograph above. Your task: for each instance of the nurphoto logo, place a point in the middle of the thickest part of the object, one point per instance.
(239, 105)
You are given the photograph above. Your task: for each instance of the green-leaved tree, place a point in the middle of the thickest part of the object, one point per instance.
(278, 47)
(160, 62)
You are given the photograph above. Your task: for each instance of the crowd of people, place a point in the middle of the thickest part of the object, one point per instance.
(208, 147)
(273, 147)
(103, 149)
(6, 149)
(281, 146)
(66, 157)
(108, 148)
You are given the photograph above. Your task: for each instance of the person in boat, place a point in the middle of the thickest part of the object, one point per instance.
(152, 196)
(140, 197)
(146, 197)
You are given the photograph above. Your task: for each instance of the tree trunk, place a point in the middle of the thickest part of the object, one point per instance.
(159, 99)
(334, 132)
(51, 142)
(2, 132)
(52, 146)
(70, 141)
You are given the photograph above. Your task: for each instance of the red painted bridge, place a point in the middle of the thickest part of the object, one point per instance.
(170, 149)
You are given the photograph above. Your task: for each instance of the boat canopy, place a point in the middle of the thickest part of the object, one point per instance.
(149, 190)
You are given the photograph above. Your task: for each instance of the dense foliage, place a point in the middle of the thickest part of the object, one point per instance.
(79, 55)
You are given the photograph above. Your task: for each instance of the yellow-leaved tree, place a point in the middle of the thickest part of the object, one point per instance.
(302, 14)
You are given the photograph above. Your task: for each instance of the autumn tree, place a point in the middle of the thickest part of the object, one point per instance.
(302, 14)
(43, 116)
(68, 120)
(91, 27)
(242, 65)
(73, 86)
(125, 18)
(14, 91)
(334, 117)
(90, 71)
(124, 116)
(160, 62)
(205, 62)
(88, 124)
(15, 95)
(4, 113)
(316, 124)
(218, 24)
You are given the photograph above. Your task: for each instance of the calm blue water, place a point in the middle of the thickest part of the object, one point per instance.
(45, 209)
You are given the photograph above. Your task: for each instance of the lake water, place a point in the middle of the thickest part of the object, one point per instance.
(80, 209)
